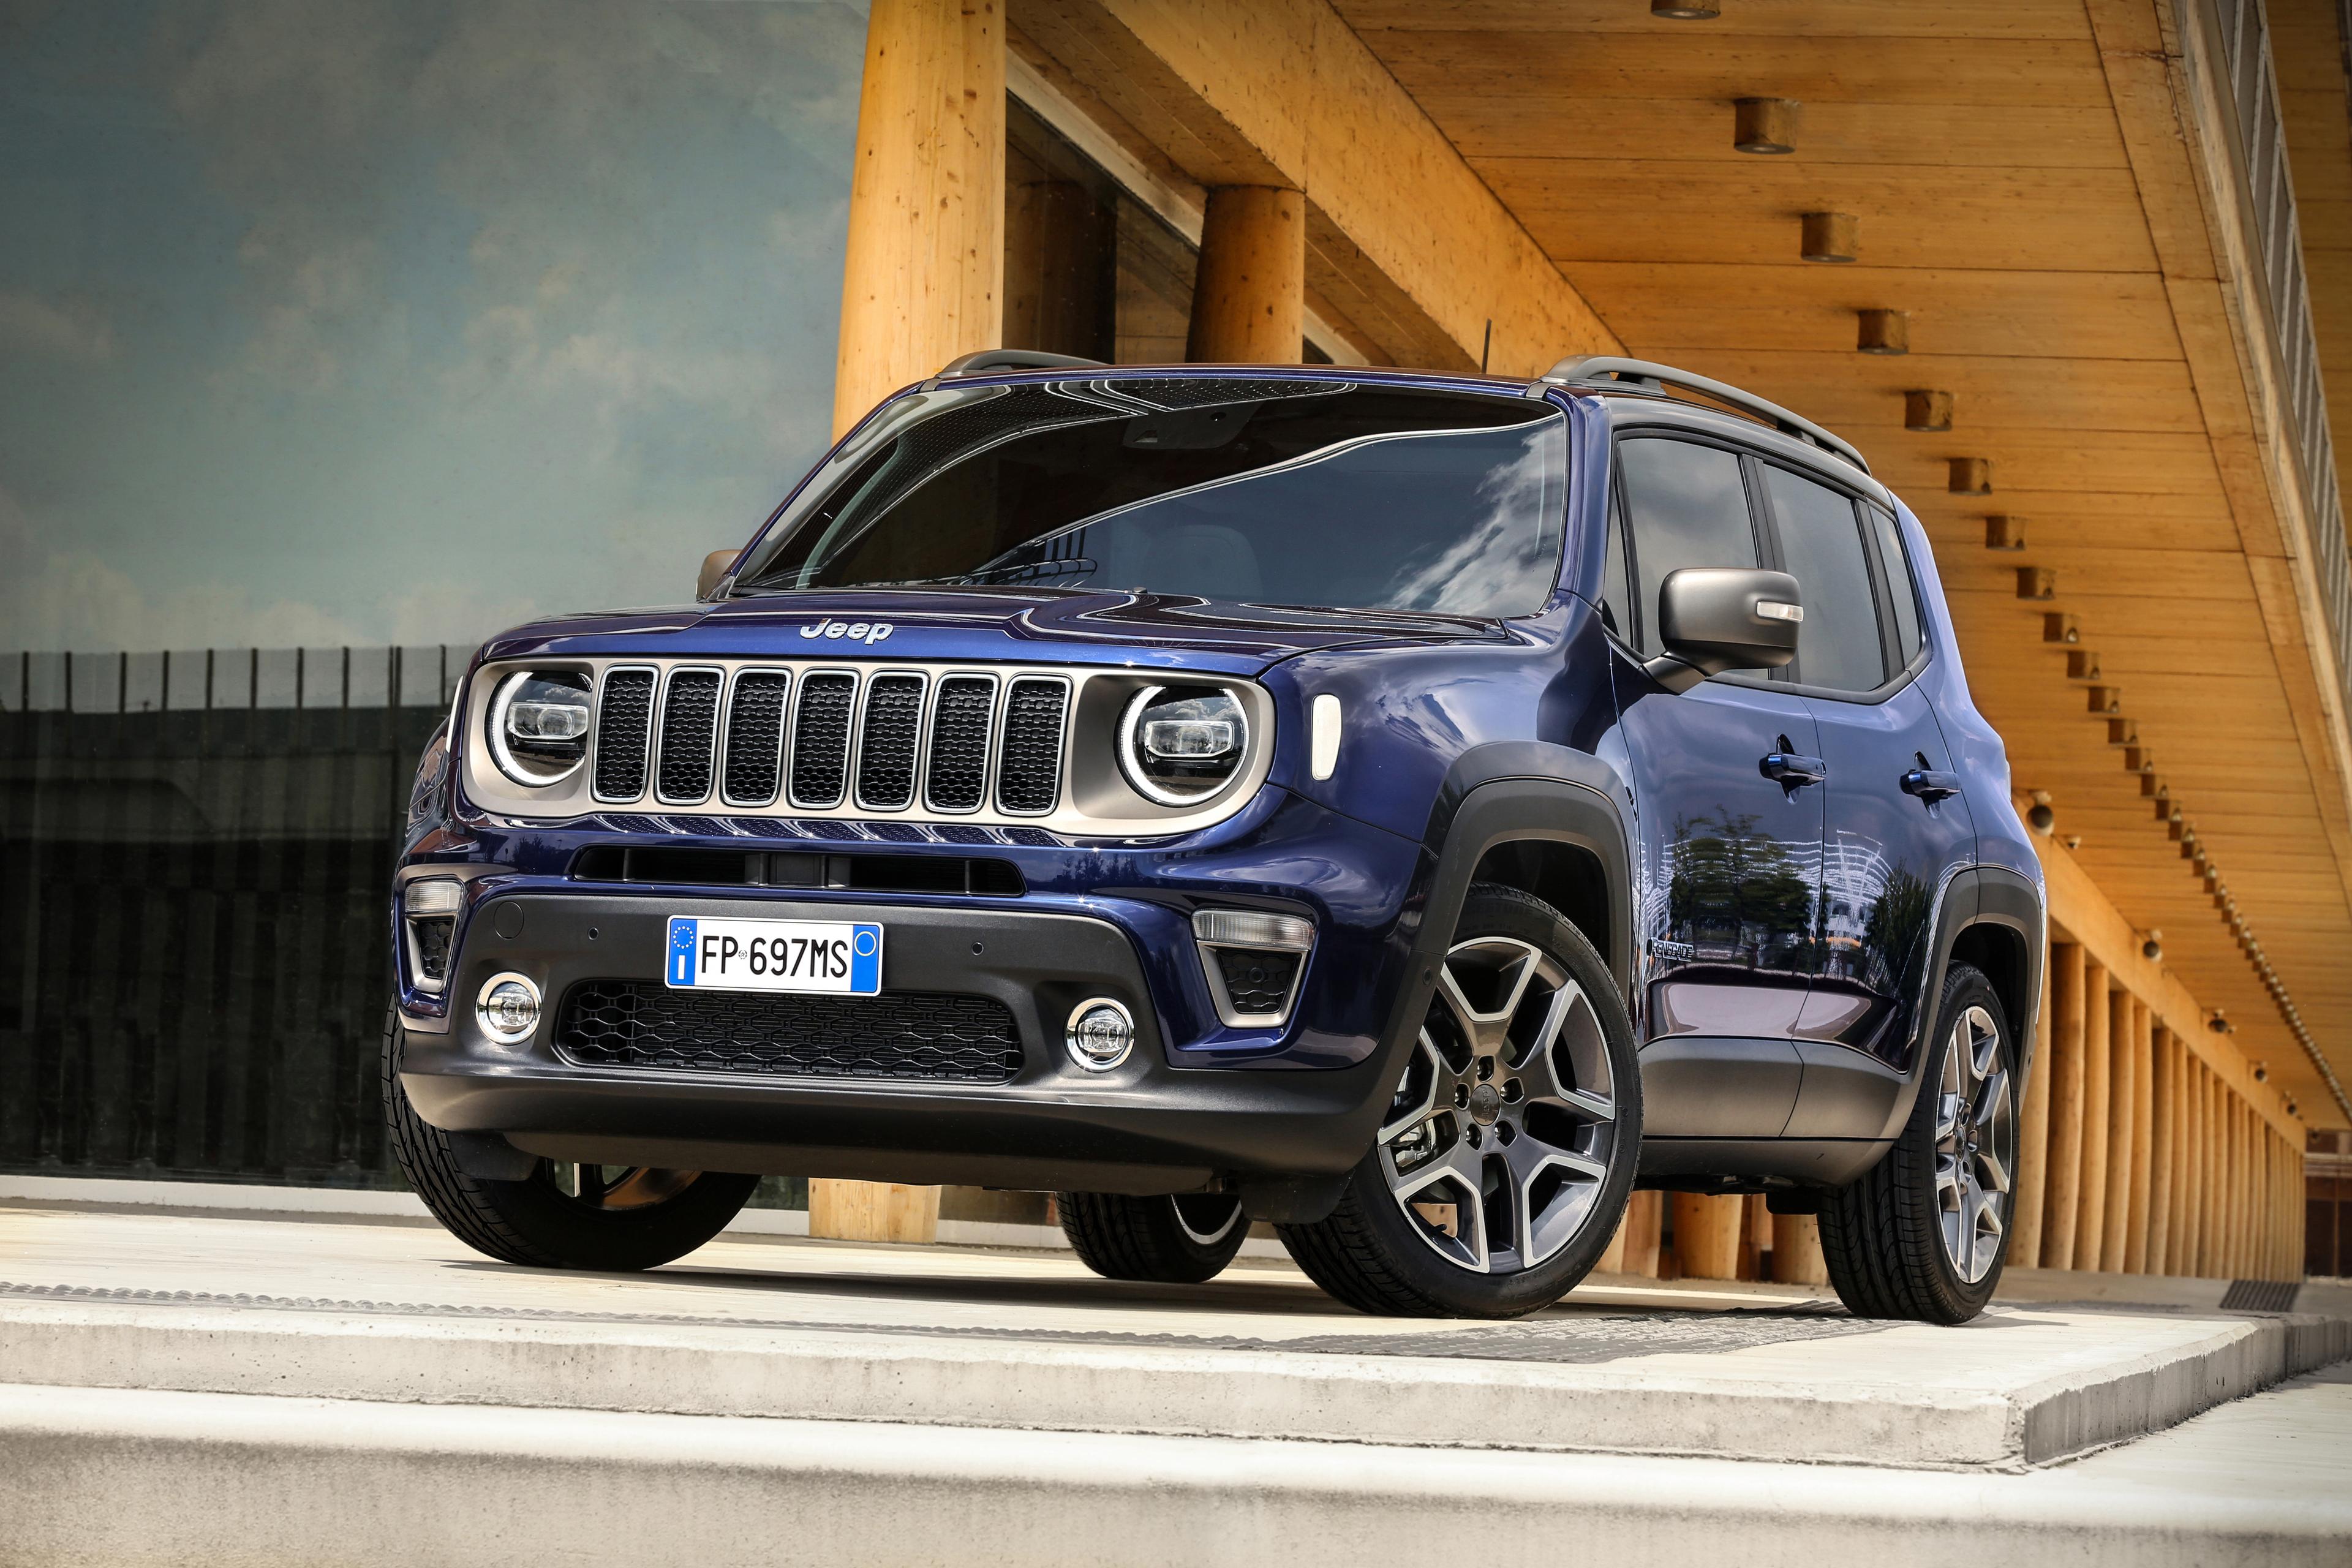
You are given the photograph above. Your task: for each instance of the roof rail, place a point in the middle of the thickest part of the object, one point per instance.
(1598, 370)
(1010, 359)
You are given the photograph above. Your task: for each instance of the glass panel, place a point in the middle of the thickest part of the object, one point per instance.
(1905, 594)
(1690, 509)
(1820, 546)
(1447, 504)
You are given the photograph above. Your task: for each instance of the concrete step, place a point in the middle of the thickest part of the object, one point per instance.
(129, 1478)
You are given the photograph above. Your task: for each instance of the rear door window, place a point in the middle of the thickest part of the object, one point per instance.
(1688, 504)
(1900, 588)
(1820, 533)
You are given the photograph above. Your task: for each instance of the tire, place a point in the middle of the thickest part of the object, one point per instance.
(1181, 1240)
(1923, 1235)
(632, 1217)
(1521, 988)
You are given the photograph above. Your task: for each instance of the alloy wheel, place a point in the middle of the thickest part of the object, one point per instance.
(1501, 1134)
(1976, 1141)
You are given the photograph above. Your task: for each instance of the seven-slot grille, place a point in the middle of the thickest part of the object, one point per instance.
(890, 740)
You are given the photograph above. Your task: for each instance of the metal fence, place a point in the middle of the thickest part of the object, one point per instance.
(198, 849)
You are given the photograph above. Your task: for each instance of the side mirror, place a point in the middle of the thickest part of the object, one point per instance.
(1715, 619)
(714, 571)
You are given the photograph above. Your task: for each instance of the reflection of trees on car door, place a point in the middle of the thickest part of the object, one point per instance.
(1893, 819)
(1728, 853)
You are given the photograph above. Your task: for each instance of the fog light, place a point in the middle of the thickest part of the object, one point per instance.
(508, 1008)
(1101, 1035)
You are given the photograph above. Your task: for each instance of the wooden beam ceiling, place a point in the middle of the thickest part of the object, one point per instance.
(2016, 195)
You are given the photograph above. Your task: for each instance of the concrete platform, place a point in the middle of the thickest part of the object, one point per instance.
(952, 1338)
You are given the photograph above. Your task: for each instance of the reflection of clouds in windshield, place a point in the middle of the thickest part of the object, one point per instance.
(1503, 543)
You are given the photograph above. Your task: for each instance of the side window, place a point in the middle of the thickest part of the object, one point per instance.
(1689, 508)
(1820, 546)
(1616, 587)
(1900, 585)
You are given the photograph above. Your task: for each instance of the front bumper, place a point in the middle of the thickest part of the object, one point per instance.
(1146, 1126)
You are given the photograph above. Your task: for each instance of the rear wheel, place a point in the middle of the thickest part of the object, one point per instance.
(1502, 1167)
(1179, 1240)
(1925, 1233)
(609, 1217)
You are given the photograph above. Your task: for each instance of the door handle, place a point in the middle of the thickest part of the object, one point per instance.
(1790, 770)
(1930, 785)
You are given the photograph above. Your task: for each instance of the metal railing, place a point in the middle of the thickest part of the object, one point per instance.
(2243, 29)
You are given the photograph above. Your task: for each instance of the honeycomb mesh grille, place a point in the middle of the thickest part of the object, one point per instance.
(1256, 980)
(820, 739)
(689, 734)
(956, 778)
(1029, 770)
(886, 746)
(828, 739)
(755, 736)
(623, 726)
(644, 1023)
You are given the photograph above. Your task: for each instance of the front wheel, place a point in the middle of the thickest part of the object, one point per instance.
(1925, 1233)
(1180, 1240)
(1504, 1162)
(609, 1217)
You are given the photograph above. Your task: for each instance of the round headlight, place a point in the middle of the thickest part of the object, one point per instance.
(539, 725)
(1181, 744)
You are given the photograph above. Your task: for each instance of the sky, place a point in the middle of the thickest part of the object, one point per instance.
(398, 320)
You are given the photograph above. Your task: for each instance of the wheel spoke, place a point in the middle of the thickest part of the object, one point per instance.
(1426, 1050)
(1992, 1099)
(1991, 1175)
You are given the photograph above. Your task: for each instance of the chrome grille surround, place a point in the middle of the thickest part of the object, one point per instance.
(890, 734)
(777, 763)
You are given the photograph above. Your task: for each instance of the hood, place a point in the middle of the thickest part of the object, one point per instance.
(986, 624)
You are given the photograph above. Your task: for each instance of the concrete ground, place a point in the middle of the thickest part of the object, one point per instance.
(220, 1388)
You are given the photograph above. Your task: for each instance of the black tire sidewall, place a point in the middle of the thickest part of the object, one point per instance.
(1502, 911)
(1964, 987)
(529, 1222)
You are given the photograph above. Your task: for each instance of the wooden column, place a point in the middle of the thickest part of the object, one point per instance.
(2143, 1139)
(922, 279)
(2159, 1190)
(1634, 1248)
(2207, 1174)
(2063, 1205)
(1249, 296)
(2234, 1188)
(2098, 1070)
(1707, 1230)
(2183, 1252)
(1796, 1251)
(2031, 1180)
(2122, 1036)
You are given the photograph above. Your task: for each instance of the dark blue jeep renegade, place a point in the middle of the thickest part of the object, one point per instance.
(1413, 810)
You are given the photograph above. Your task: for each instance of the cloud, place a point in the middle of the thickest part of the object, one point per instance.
(53, 598)
(65, 328)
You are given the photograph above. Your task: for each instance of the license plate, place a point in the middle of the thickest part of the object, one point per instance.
(843, 957)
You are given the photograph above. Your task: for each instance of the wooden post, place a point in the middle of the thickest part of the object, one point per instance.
(1645, 1222)
(2162, 1132)
(2233, 1189)
(1796, 1251)
(2209, 1173)
(2063, 1206)
(922, 278)
(922, 281)
(2143, 1139)
(2184, 1196)
(2115, 1230)
(2098, 1068)
(2030, 1181)
(1249, 296)
(1706, 1235)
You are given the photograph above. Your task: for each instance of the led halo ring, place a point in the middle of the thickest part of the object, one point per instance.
(495, 728)
(1130, 744)
(482, 1007)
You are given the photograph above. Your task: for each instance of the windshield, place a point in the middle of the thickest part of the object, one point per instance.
(1331, 495)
